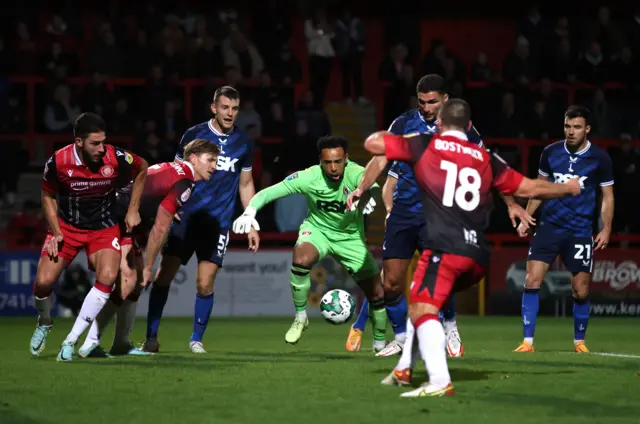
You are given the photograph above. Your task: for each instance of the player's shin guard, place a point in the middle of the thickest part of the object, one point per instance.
(300, 286)
(363, 316)
(431, 341)
(202, 312)
(581, 310)
(396, 306)
(91, 307)
(530, 305)
(157, 300)
(378, 319)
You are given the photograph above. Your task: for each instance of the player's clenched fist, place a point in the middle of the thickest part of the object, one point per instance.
(53, 245)
(575, 186)
(353, 198)
(246, 221)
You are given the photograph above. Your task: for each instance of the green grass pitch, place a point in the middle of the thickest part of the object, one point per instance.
(251, 376)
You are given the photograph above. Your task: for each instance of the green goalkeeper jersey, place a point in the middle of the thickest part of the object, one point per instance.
(327, 200)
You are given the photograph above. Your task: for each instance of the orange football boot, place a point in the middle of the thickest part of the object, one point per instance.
(580, 347)
(353, 340)
(524, 347)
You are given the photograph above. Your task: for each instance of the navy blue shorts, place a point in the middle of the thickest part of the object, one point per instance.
(550, 241)
(197, 232)
(402, 238)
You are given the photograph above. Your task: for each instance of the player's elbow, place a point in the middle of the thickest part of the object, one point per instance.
(375, 143)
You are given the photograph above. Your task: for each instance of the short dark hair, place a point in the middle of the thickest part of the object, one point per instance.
(200, 146)
(88, 123)
(578, 111)
(455, 113)
(431, 82)
(226, 91)
(332, 142)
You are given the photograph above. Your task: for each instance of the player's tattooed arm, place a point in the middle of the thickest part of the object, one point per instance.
(157, 238)
(606, 213)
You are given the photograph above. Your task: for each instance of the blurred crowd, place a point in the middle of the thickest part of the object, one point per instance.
(166, 48)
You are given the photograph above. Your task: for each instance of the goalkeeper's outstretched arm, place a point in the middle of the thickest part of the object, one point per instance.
(247, 220)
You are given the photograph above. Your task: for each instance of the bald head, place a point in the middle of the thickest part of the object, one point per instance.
(455, 114)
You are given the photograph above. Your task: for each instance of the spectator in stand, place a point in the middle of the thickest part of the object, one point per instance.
(519, 66)
(626, 166)
(508, 123)
(298, 150)
(248, 115)
(561, 64)
(433, 62)
(173, 120)
(240, 53)
(316, 117)
(105, 57)
(605, 32)
(349, 41)
(25, 55)
(286, 69)
(138, 56)
(398, 73)
(61, 112)
(319, 35)
(632, 31)
(481, 70)
(271, 27)
(625, 69)
(605, 116)
(57, 58)
(121, 120)
(97, 97)
(206, 57)
(593, 66)
(274, 123)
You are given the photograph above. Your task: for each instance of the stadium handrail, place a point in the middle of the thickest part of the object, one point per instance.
(31, 82)
(31, 135)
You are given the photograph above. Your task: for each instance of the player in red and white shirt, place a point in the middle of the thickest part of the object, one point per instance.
(456, 178)
(169, 186)
(78, 199)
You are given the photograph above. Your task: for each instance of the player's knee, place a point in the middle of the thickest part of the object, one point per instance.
(580, 288)
(107, 274)
(393, 286)
(204, 284)
(532, 280)
(419, 310)
(302, 258)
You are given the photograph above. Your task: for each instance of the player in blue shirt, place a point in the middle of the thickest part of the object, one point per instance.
(204, 221)
(567, 225)
(405, 222)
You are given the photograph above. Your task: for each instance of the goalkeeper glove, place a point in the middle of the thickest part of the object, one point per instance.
(243, 224)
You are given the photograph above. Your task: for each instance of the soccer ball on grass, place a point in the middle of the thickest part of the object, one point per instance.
(337, 306)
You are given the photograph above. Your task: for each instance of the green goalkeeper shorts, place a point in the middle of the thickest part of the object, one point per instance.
(349, 250)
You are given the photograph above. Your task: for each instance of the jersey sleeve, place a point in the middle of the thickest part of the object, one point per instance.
(178, 195)
(474, 137)
(398, 126)
(247, 160)
(187, 137)
(544, 169)
(128, 164)
(605, 170)
(394, 170)
(407, 148)
(505, 179)
(298, 182)
(50, 176)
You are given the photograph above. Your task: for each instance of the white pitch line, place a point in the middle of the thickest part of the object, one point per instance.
(617, 355)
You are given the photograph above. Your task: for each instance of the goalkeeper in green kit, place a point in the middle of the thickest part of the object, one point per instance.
(329, 229)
